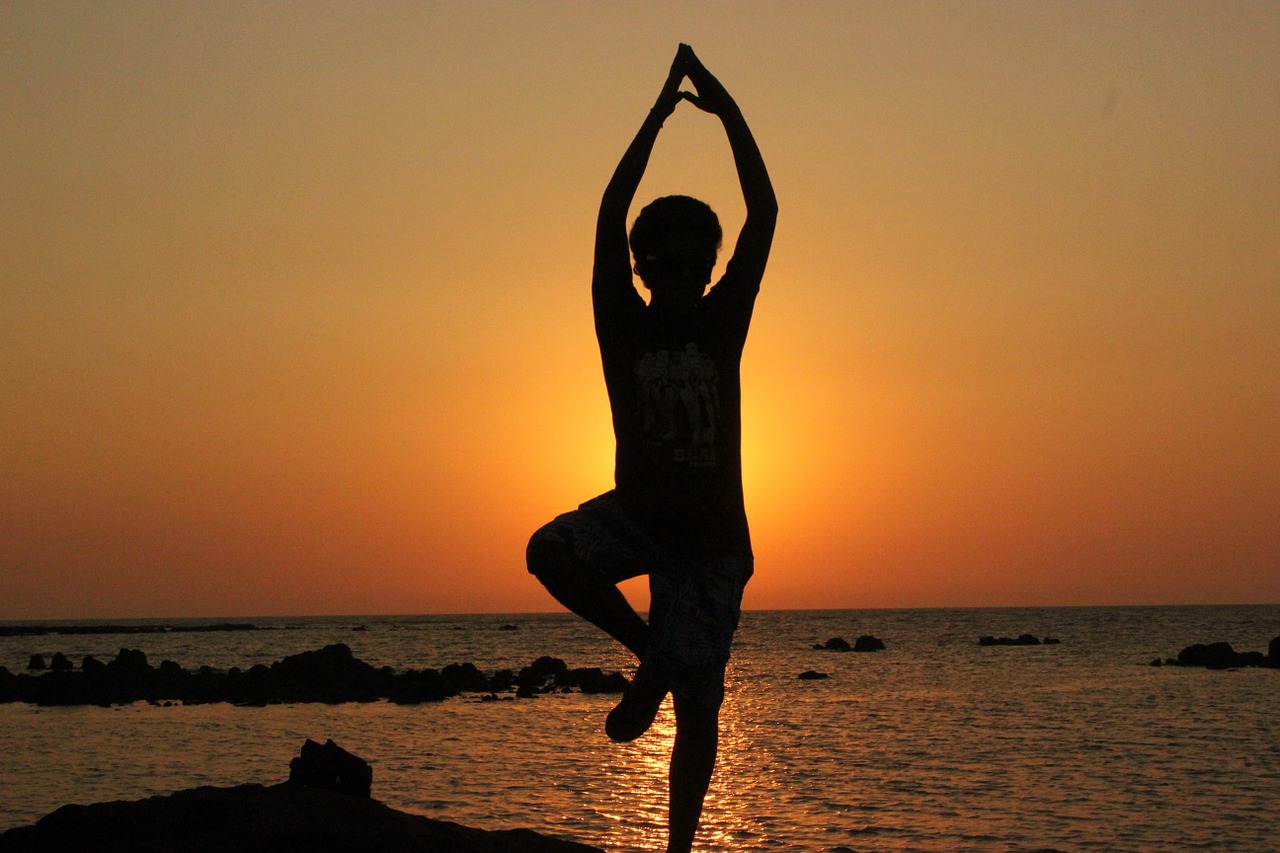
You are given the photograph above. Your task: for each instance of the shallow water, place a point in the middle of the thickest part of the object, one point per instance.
(936, 744)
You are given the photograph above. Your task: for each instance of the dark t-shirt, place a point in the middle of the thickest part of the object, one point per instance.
(674, 389)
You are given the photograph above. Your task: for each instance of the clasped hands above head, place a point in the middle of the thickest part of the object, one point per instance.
(710, 96)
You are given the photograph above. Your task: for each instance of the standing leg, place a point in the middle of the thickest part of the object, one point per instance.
(693, 759)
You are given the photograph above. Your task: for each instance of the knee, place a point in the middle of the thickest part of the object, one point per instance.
(547, 556)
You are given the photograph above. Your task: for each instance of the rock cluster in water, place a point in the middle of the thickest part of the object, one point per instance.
(318, 810)
(331, 674)
(865, 643)
(1020, 640)
(1223, 656)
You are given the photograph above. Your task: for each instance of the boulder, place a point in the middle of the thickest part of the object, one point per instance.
(868, 643)
(91, 665)
(1222, 656)
(593, 680)
(812, 675)
(835, 644)
(331, 768)
(464, 678)
(331, 674)
(284, 817)
(36, 662)
(1020, 640)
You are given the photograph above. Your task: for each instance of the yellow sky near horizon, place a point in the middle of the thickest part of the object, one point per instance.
(294, 309)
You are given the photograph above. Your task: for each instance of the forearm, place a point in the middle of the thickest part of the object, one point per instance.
(621, 189)
(757, 189)
(612, 267)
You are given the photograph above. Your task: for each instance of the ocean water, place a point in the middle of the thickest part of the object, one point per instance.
(935, 744)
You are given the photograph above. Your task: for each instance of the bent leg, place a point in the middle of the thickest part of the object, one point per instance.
(586, 592)
(693, 759)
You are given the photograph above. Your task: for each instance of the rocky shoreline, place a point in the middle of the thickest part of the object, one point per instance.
(325, 807)
(331, 674)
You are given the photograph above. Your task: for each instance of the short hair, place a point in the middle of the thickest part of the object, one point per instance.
(673, 213)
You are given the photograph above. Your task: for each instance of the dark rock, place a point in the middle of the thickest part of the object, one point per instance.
(1273, 651)
(508, 627)
(270, 819)
(331, 674)
(1020, 640)
(593, 680)
(868, 643)
(1223, 656)
(331, 768)
(1156, 662)
(812, 675)
(546, 667)
(414, 688)
(36, 662)
(464, 678)
(60, 663)
(835, 644)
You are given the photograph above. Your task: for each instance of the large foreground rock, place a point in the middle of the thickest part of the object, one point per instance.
(325, 807)
(281, 818)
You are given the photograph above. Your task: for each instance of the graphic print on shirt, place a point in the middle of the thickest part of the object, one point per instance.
(680, 401)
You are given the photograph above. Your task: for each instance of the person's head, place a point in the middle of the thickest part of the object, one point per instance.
(675, 240)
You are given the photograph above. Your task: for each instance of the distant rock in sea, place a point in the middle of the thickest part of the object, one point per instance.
(865, 643)
(1020, 640)
(1221, 655)
(331, 674)
(302, 814)
(812, 675)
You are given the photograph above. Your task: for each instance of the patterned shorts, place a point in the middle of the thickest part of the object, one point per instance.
(695, 604)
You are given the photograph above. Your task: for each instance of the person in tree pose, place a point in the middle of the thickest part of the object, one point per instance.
(676, 512)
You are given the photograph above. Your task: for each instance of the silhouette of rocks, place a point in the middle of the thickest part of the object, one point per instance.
(592, 680)
(868, 643)
(290, 816)
(331, 768)
(865, 643)
(416, 687)
(331, 674)
(812, 675)
(36, 662)
(1020, 640)
(1223, 656)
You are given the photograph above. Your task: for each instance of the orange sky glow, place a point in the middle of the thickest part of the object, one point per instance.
(294, 309)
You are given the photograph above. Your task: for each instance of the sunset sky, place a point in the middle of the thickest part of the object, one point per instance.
(294, 311)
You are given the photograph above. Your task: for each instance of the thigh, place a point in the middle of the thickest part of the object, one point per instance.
(695, 613)
(602, 539)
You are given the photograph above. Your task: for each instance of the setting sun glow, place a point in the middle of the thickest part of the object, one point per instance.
(295, 312)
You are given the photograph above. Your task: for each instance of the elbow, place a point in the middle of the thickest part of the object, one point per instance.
(765, 211)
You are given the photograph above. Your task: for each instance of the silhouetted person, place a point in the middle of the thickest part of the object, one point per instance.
(676, 513)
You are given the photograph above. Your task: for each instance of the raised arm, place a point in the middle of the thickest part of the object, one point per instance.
(751, 252)
(611, 276)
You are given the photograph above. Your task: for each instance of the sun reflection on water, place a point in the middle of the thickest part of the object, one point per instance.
(636, 773)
